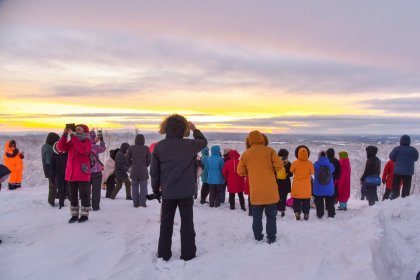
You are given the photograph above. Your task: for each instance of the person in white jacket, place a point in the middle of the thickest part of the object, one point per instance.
(108, 177)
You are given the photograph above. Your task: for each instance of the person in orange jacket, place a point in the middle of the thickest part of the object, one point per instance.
(387, 179)
(13, 160)
(302, 170)
(260, 163)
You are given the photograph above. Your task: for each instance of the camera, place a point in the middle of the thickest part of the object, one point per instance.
(154, 196)
(100, 135)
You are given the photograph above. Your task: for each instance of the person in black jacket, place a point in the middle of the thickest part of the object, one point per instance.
(138, 157)
(4, 174)
(372, 168)
(173, 175)
(337, 170)
(58, 173)
(120, 172)
(283, 181)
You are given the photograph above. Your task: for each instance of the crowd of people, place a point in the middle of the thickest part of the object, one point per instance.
(72, 165)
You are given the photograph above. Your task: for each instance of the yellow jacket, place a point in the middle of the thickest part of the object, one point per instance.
(302, 170)
(260, 163)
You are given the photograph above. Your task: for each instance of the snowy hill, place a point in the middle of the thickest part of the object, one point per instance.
(120, 242)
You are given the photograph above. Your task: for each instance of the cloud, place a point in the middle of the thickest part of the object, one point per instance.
(395, 105)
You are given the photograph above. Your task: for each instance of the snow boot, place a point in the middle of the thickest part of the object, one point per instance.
(297, 216)
(306, 217)
(73, 219)
(282, 214)
(83, 219)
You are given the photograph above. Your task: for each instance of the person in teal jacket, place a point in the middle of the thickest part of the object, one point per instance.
(205, 185)
(215, 177)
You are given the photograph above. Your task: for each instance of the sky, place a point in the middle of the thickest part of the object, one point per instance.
(297, 67)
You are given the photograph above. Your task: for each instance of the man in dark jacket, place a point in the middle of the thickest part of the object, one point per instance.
(58, 173)
(4, 173)
(404, 157)
(120, 172)
(337, 170)
(372, 168)
(173, 173)
(46, 154)
(138, 157)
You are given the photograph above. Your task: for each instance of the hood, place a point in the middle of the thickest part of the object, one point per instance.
(139, 140)
(92, 136)
(7, 148)
(302, 153)
(330, 153)
(371, 151)
(124, 147)
(4, 171)
(324, 161)
(113, 153)
(405, 140)
(256, 138)
(205, 151)
(215, 150)
(52, 138)
(234, 154)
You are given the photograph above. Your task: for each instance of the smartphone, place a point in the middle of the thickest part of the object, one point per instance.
(100, 135)
(71, 126)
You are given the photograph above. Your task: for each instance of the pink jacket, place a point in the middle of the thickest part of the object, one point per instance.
(344, 181)
(78, 163)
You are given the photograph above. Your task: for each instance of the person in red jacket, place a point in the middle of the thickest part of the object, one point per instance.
(78, 146)
(387, 179)
(235, 183)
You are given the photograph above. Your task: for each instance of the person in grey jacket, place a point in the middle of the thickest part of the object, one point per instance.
(138, 158)
(404, 157)
(174, 176)
(120, 172)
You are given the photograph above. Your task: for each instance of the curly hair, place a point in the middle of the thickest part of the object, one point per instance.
(175, 126)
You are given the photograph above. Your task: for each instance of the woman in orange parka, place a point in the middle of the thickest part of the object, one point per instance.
(303, 169)
(13, 159)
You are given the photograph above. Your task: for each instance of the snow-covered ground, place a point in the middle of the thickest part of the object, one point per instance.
(120, 242)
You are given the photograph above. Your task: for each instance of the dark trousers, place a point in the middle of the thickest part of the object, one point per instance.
(387, 194)
(371, 195)
(126, 181)
(301, 205)
(14, 186)
(215, 191)
(110, 186)
(223, 193)
(63, 190)
(81, 189)
(396, 183)
(241, 200)
(283, 197)
(95, 183)
(188, 248)
(52, 191)
(329, 204)
(271, 225)
(204, 192)
(249, 205)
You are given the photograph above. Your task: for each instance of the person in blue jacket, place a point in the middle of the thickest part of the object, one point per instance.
(323, 188)
(404, 157)
(215, 177)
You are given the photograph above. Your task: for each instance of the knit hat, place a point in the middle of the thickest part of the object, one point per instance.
(283, 153)
(343, 155)
(85, 127)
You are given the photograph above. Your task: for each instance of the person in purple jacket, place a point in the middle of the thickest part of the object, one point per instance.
(96, 168)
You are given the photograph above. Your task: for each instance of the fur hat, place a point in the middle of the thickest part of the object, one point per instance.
(85, 127)
(175, 126)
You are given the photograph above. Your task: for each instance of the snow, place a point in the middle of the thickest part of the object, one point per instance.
(120, 242)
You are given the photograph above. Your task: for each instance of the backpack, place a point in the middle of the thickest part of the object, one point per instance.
(324, 175)
(282, 175)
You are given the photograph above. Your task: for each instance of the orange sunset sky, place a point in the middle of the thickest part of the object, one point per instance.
(321, 67)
